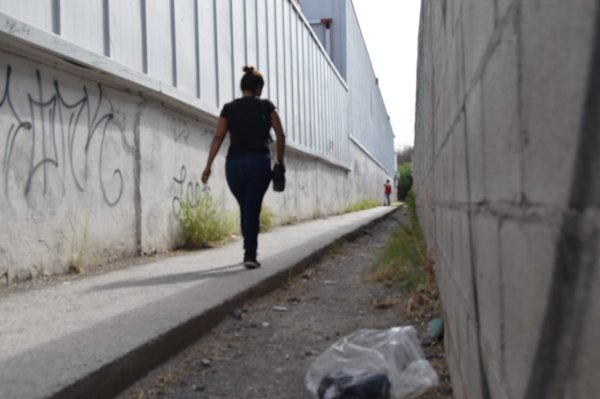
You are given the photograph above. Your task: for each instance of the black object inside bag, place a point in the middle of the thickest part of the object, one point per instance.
(339, 385)
(278, 177)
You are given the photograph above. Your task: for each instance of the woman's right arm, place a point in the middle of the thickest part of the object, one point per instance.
(214, 147)
(280, 136)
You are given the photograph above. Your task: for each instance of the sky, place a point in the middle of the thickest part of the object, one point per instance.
(390, 29)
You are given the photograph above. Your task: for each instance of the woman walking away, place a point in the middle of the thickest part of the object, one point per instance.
(248, 166)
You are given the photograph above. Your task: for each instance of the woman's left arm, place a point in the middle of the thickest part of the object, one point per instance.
(214, 147)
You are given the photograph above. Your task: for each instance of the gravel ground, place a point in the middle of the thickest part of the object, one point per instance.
(263, 350)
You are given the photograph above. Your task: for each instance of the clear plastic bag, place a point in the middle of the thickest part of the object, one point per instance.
(378, 364)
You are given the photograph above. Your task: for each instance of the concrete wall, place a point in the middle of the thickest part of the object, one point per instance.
(68, 151)
(506, 172)
(98, 155)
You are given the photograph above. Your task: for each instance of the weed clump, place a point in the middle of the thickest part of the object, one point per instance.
(362, 205)
(289, 220)
(204, 223)
(79, 246)
(405, 260)
(405, 180)
(76, 266)
(266, 219)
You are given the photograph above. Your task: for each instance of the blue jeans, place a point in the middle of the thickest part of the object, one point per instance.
(248, 177)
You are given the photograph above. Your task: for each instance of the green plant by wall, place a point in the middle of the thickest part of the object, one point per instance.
(405, 260)
(289, 220)
(362, 205)
(79, 244)
(316, 214)
(335, 248)
(404, 180)
(266, 218)
(204, 223)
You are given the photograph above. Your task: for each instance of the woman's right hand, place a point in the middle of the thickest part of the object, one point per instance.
(206, 175)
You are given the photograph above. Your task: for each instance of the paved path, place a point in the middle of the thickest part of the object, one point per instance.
(91, 337)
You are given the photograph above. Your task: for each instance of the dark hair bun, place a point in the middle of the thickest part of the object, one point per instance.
(248, 69)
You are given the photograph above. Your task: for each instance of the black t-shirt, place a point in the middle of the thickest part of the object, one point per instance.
(249, 122)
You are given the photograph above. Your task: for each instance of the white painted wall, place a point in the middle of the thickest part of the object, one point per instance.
(315, 11)
(196, 49)
(102, 133)
(39, 13)
(91, 173)
(368, 121)
(67, 181)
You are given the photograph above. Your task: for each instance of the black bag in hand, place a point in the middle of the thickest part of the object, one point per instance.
(278, 177)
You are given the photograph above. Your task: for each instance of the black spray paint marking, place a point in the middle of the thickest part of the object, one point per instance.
(60, 123)
(188, 191)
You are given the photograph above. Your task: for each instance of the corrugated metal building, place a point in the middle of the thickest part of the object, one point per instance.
(109, 106)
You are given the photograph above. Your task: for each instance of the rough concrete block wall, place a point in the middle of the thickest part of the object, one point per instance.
(506, 172)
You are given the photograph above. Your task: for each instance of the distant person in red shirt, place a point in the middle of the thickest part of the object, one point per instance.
(388, 192)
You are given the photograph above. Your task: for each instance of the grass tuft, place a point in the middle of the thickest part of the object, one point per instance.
(405, 260)
(266, 219)
(79, 246)
(289, 220)
(335, 248)
(362, 205)
(204, 223)
(76, 266)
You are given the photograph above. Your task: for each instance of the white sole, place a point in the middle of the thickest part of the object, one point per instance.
(251, 265)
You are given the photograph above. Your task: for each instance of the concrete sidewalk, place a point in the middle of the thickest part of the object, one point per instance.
(92, 337)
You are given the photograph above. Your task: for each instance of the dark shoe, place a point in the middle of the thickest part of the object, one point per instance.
(250, 261)
(251, 264)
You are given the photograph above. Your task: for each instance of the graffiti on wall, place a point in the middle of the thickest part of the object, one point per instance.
(48, 140)
(188, 190)
(181, 131)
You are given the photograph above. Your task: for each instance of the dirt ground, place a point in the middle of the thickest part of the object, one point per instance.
(263, 350)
